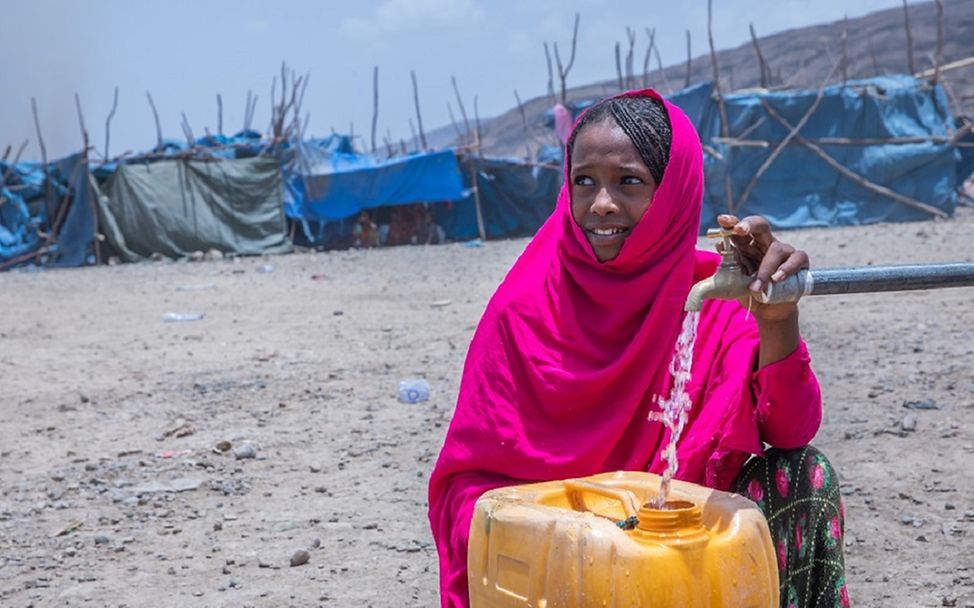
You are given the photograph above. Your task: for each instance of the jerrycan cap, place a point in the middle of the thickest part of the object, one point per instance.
(678, 519)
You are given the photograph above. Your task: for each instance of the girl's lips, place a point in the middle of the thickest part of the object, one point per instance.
(606, 235)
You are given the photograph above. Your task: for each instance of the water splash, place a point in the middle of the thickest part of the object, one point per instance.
(676, 407)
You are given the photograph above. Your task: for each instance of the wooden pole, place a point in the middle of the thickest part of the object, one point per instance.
(938, 58)
(619, 67)
(551, 75)
(909, 39)
(453, 121)
(108, 122)
(762, 65)
(845, 50)
(463, 109)
(155, 115)
(651, 33)
(475, 183)
(375, 104)
(630, 77)
(724, 126)
(49, 193)
(686, 83)
(219, 114)
(524, 123)
(563, 70)
(793, 133)
(855, 177)
(419, 115)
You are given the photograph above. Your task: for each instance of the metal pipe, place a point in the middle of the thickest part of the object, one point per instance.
(869, 279)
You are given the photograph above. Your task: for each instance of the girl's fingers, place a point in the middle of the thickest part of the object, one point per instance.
(776, 255)
(795, 262)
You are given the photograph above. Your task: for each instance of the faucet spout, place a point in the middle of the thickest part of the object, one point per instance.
(725, 284)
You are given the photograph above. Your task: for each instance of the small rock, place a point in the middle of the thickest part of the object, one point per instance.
(223, 446)
(922, 404)
(314, 469)
(214, 254)
(300, 558)
(244, 452)
(316, 543)
(909, 423)
(217, 526)
(196, 256)
(101, 539)
(233, 584)
(83, 397)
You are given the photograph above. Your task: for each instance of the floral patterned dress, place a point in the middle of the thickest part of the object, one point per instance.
(798, 491)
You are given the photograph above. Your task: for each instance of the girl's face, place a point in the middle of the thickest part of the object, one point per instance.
(611, 187)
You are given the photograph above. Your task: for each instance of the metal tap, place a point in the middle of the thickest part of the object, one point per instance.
(728, 283)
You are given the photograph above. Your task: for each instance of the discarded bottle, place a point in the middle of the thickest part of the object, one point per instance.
(175, 317)
(414, 390)
(265, 269)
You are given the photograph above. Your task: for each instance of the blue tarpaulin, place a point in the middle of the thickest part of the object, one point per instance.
(340, 185)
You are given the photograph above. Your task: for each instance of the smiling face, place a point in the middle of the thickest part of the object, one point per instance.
(611, 186)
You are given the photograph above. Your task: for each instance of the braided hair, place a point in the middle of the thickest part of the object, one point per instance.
(643, 119)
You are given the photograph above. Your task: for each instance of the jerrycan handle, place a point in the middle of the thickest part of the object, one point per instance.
(575, 487)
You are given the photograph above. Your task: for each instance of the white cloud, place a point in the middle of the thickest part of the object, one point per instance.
(393, 16)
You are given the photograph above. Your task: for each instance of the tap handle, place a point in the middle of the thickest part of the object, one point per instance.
(721, 233)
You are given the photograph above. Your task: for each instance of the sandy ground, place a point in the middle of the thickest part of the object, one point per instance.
(111, 492)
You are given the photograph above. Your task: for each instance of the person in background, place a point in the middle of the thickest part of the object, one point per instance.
(365, 232)
(574, 348)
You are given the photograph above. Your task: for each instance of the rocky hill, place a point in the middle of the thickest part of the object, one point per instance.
(796, 58)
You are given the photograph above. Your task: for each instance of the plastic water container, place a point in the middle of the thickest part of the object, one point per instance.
(414, 390)
(563, 544)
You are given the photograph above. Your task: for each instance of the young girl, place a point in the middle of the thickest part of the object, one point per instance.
(575, 345)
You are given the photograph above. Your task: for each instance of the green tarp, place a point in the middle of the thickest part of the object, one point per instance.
(176, 207)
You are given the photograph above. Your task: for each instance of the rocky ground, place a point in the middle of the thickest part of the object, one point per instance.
(259, 457)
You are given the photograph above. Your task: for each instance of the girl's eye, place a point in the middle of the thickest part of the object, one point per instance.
(631, 180)
(583, 180)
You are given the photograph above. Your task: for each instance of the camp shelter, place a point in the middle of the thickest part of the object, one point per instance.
(335, 186)
(515, 198)
(876, 150)
(176, 207)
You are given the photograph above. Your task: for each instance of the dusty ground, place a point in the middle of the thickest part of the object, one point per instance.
(111, 493)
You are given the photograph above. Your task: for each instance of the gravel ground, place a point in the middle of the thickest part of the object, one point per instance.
(145, 463)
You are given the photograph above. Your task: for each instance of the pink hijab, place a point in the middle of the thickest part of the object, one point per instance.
(565, 363)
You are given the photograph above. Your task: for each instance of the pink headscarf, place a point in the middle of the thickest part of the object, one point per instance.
(566, 361)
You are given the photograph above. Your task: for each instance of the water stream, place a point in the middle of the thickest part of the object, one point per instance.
(676, 407)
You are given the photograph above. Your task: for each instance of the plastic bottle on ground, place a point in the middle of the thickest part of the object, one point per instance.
(414, 390)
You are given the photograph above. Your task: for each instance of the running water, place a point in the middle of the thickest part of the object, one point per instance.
(676, 407)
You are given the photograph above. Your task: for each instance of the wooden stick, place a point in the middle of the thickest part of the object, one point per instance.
(724, 126)
(845, 49)
(155, 115)
(463, 110)
(453, 120)
(630, 77)
(781, 146)
(375, 103)
(108, 121)
(619, 68)
(219, 114)
(954, 65)
(855, 177)
(837, 141)
(686, 83)
(49, 193)
(563, 70)
(909, 39)
(419, 116)
(551, 76)
(520, 108)
(762, 65)
(662, 72)
(476, 197)
(938, 59)
(651, 33)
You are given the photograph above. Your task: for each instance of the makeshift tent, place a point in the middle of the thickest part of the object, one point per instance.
(893, 132)
(176, 207)
(339, 185)
(515, 199)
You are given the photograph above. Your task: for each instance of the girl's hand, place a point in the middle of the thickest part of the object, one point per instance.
(766, 258)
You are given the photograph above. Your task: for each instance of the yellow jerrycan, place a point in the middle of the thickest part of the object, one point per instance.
(565, 544)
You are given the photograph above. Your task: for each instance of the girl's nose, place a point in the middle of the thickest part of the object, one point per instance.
(603, 204)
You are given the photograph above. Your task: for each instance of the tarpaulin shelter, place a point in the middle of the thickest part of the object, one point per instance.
(876, 150)
(176, 207)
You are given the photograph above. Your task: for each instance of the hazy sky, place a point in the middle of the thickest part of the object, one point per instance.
(187, 51)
